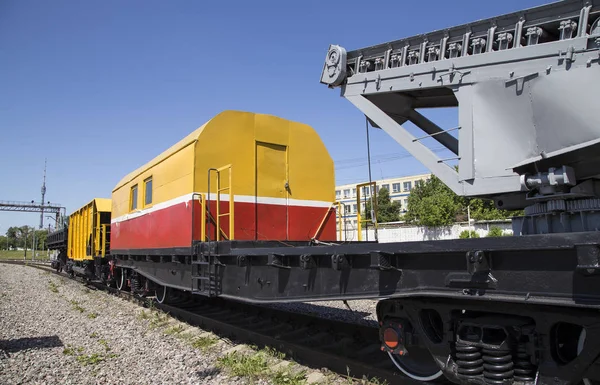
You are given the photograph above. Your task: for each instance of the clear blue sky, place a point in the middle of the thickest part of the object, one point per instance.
(99, 87)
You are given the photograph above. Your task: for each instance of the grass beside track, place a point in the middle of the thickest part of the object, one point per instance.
(20, 254)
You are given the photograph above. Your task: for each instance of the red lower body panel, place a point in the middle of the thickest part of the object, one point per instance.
(172, 226)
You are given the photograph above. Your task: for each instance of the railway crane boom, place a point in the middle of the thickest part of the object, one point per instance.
(528, 132)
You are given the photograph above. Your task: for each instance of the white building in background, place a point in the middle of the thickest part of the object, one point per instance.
(399, 189)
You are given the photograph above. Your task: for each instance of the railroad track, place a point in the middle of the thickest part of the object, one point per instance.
(345, 348)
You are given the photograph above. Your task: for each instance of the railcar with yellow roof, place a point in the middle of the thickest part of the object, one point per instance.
(88, 240)
(240, 176)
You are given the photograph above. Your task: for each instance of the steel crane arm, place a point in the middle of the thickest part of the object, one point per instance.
(527, 115)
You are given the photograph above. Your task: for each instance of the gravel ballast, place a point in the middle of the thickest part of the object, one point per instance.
(57, 330)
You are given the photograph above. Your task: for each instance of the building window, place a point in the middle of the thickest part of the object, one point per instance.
(148, 191)
(407, 186)
(396, 187)
(405, 204)
(347, 209)
(386, 186)
(354, 192)
(133, 198)
(338, 194)
(354, 207)
(347, 193)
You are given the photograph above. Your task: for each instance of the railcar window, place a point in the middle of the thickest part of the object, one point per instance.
(134, 197)
(148, 191)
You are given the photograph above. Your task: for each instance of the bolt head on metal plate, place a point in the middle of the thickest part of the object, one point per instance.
(334, 70)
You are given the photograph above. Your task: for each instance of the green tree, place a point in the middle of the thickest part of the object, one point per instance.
(40, 239)
(495, 231)
(432, 203)
(12, 235)
(485, 210)
(3, 242)
(387, 210)
(468, 234)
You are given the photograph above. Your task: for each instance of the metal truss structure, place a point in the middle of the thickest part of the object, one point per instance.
(33, 207)
(528, 128)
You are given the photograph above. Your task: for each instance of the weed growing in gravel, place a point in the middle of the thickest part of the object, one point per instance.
(376, 381)
(186, 337)
(256, 365)
(94, 335)
(105, 344)
(75, 306)
(70, 350)
(174, 330)
(159, 320)
(88, 359)
(94, 358)
(244, 365)
(143, 315)
(364, 381)
(274, 352)
(203, 342)
(52, 286)
(92, 315)
(284, 377)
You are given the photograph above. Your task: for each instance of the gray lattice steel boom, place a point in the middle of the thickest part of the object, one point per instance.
(524, 84)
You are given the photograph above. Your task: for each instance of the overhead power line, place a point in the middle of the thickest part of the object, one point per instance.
(383, 158)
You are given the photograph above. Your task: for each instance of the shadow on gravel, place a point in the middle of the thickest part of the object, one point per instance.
(209, 372)
(13, 346)
(324, 311)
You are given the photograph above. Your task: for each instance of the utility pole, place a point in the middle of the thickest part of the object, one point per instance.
(43, 196)
(25, 243)
(33, 246)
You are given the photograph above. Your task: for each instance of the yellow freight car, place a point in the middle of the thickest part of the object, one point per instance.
(89, 236)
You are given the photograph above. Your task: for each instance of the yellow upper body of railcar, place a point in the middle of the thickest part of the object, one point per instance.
(89, 230)
(275, 179)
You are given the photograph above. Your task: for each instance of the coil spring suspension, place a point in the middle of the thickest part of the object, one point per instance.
(468, 359)
(524, 369)
(497, 365)
(135, 284)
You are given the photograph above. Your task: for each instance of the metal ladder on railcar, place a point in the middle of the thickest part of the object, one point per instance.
(205, 278)
(205, 268)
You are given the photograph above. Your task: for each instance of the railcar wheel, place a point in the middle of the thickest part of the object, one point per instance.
(121, 280)
(417, 364)
(410, 357)
(163, 294)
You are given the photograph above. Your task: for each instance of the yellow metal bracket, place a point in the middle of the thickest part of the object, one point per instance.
(340, 217)
(220, 189)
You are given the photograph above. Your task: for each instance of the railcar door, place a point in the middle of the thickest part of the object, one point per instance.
(272, 188)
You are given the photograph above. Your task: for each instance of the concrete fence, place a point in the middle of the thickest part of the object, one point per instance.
(404, 233)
